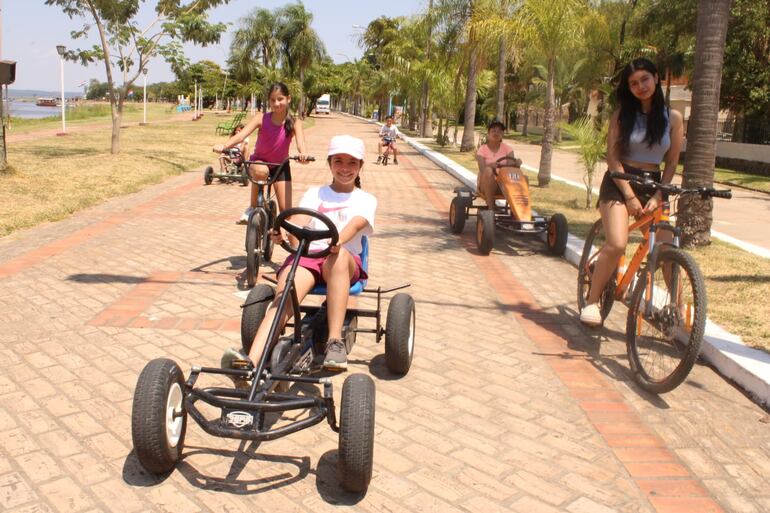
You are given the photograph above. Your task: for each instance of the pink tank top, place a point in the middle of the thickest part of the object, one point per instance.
(272, 142)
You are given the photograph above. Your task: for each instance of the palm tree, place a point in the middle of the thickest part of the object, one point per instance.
(695, 214)
(300, 44)
(553, 27)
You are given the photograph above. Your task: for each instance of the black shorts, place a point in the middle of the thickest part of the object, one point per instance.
(282, 173)
(609, 190)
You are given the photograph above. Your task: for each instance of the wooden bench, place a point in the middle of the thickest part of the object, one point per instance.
(226, 127)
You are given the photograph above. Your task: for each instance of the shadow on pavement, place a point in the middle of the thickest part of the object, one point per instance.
(327, 485)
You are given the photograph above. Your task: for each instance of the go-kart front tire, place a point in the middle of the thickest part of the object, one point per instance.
(254, 233)
(457, 212)
(485, 231)
(556, 235)
(399, 333)
(208, 175)
(355, 455)
(253, 313)
(158, 416)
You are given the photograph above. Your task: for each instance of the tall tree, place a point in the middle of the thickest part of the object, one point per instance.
(695, 214)
(127, 46)
(554, 27)
(300, 43)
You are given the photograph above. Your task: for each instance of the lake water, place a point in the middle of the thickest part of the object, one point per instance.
(30, 110)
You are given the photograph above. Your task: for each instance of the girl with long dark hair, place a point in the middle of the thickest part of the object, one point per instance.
(643, 133)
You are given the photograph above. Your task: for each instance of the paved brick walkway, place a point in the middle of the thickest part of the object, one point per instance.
(510, 405)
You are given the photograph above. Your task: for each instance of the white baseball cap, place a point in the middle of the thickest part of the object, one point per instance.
(347, 144)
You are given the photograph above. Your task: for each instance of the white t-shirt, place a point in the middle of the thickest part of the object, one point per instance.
(340, 208)
(389, 131)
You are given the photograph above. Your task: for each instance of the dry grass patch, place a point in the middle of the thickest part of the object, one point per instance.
(737, 282)
(56, 176)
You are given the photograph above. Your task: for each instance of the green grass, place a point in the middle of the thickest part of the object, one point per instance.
(738, 282)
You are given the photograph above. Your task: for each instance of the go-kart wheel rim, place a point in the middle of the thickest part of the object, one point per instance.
(174, 415)
(551, 234)
(410, 340)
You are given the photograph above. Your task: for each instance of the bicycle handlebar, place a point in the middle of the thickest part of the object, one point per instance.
(271, 179)
(671, 189)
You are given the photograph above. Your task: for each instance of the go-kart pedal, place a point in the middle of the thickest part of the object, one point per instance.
(235, 359)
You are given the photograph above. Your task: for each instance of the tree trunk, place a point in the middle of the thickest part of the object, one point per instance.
(440, 139)
(469, 136)
(500, 94)
(426, 130)
(526, 120)
(302, 94)
(695, 214)
(117, 115)
(546, 151)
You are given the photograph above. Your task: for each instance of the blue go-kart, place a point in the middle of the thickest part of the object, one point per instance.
(279, 380)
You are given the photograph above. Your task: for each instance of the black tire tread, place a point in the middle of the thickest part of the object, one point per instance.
(562, 230)
(459, 206)
(252, 315)
(487, 220)
(397, 328)
(148, 416)
(355, 456)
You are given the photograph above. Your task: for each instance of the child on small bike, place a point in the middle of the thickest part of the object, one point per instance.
(388, 134)
(352, 212)
(224, 159)
(276, 130)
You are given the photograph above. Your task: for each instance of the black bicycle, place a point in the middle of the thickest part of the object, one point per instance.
(259, 245)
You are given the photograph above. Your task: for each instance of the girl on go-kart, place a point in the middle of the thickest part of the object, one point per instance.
(352, 212)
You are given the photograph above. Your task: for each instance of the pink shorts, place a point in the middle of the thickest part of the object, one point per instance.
(315, 266)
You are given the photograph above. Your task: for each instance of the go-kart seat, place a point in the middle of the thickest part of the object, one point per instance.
(358, 286)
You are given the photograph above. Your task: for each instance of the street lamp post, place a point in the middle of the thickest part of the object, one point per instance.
(144, 72)
(61, 49)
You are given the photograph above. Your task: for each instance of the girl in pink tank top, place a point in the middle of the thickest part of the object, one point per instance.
(276, 130)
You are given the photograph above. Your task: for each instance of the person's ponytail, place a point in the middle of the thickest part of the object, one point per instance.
(288, 124)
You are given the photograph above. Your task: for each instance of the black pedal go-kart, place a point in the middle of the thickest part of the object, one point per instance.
(163, 398)
(514, 216)
(235, 169)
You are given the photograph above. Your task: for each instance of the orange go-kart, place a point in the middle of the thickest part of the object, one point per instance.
(514, 216)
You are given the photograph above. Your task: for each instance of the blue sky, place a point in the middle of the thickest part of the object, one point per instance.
(31, 30)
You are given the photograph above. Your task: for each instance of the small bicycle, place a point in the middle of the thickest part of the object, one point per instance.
(663, 289)
(388, 147)
(259, 245)
(234, 168)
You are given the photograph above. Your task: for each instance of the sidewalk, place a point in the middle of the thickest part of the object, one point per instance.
(510, 404)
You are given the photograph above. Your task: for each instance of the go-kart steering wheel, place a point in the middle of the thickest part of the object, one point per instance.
(503, 162)
(308, 234)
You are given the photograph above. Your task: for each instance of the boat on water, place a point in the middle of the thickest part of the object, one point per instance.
(47, 102)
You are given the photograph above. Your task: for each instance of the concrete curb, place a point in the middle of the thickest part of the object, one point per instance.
(749, 368)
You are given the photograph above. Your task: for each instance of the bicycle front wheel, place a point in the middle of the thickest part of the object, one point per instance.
(254, 231)
(666, 321)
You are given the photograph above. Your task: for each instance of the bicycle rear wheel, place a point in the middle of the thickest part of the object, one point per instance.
(594, 242)
(666, 321)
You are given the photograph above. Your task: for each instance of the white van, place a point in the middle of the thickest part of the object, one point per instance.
(323, 104)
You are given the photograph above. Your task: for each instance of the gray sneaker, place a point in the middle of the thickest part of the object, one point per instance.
(235, 359)
(336, 358)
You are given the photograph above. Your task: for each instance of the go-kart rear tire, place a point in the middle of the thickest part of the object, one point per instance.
(355, 455)
(253, 313)
(208, 175)
(158, 416)
(244, 179)
(485, 231)
(556, 235)
(399, 334)
(458, 211)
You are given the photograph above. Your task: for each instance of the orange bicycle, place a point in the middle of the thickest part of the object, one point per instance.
(663, 289)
